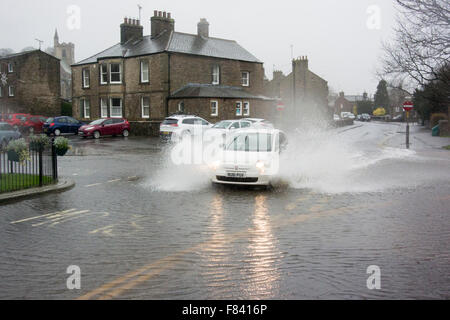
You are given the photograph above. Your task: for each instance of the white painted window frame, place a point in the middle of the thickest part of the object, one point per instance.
(247, 83)
(246, 113)
(145, 69)
(240, 108)
(214, 114)
(103, 73)
(110, 73)
(145, 106)
(11, 92)
(10, 67)
(216, 74)
(102, 114)
(86, 75)
(86, 102)
(111, 107)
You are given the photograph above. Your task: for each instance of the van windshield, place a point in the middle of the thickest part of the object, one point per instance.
(251, 142)
(222, 125)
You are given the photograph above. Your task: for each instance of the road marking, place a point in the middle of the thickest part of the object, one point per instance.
(54, 219)
(42, 216)
(115, 180)
(93, 185)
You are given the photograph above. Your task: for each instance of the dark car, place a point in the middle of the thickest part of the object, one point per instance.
(33, 124)
(106, 127)
(60, 125)
(7, 133)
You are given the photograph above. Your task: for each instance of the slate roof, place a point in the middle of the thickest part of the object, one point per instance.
(195, 90)
(176, 42)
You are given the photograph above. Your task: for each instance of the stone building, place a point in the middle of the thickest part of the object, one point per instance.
(30, 83)
(342, 104)
(146, 78)
(65, 52)
(303, 94)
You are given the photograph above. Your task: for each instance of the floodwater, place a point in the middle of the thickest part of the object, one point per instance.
(141, 228)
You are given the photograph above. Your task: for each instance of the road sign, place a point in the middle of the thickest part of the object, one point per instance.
(408, 106)
(280, 106)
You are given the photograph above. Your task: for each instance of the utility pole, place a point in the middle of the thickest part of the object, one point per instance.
(40, 43)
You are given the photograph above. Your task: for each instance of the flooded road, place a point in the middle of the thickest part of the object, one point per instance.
(140, 228)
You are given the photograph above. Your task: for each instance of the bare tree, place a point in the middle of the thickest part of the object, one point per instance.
(421, 45)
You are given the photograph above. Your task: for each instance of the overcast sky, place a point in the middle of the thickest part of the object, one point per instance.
(340, 37)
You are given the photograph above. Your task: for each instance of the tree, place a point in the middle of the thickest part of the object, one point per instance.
(365, 106)
(434, 97)
(420, 47)
(381, 96)
(6, 52)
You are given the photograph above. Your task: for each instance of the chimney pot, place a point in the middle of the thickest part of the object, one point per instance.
(164, 14)
(168, 15)
(125, 20)
(159, 13)
(155, 13)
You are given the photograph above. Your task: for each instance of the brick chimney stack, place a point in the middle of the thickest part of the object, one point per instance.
(131, 29)
(203, 28)
(161, 21)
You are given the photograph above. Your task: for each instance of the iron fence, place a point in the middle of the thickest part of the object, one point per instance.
(38, 169)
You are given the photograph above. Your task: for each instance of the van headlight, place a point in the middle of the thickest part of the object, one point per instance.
(214, 165)
(261, 166)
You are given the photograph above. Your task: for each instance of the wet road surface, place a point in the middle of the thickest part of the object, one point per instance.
(140, 228)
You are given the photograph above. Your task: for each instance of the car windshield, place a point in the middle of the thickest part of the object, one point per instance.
(222, 125)
(5, 127)
(251, 142)
(49, 120)
(97, 122)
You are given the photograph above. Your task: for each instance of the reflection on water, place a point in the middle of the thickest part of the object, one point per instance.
(264, 256)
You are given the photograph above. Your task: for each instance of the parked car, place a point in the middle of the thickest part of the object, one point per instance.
(33, 124)
(7, 133)
(259, 122)
(105, 127)
(60, 125)
(175, 127)
(250, 157)
(398, 118)
(16, 120)
(336, 117)
(347, 115)
(365, 117)
(222, 128)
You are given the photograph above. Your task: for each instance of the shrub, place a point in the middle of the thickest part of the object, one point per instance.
(435, 117)
(38, 143)
(20, 148)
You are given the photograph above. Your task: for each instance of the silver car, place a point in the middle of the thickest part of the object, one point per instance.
(7, 133)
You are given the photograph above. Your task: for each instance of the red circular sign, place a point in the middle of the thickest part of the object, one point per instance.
(408, 105)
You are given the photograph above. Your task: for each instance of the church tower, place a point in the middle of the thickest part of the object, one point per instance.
(55, 39)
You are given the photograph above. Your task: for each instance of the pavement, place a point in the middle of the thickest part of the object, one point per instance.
(139, 227)
(62, 185)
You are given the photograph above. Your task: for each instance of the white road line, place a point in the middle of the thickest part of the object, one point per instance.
(43, 216)
(92, 185)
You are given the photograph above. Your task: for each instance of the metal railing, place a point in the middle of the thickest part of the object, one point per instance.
(39, 169)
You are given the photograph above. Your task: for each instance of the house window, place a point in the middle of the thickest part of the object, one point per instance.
(216, 74)
(245, 79)
(239, 108)
(115, 73)
(144, 72)
(10, 67)
(11, 91)
(86, 108)
(214, 108)
(104, 107)
(116, 107)
(103, 74)
(145, 107)
(181, 106)
(246, 108)
(86, 78)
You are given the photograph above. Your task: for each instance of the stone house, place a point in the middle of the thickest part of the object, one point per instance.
(146, 78)
(303, 93)
(30, 83)
(342, 104)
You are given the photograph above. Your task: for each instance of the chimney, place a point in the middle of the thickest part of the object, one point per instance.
(131, 29)
(161, 21)
(203, 28)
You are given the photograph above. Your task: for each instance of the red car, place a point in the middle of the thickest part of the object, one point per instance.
(33, 124)
(16, 119)
(105, 127)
